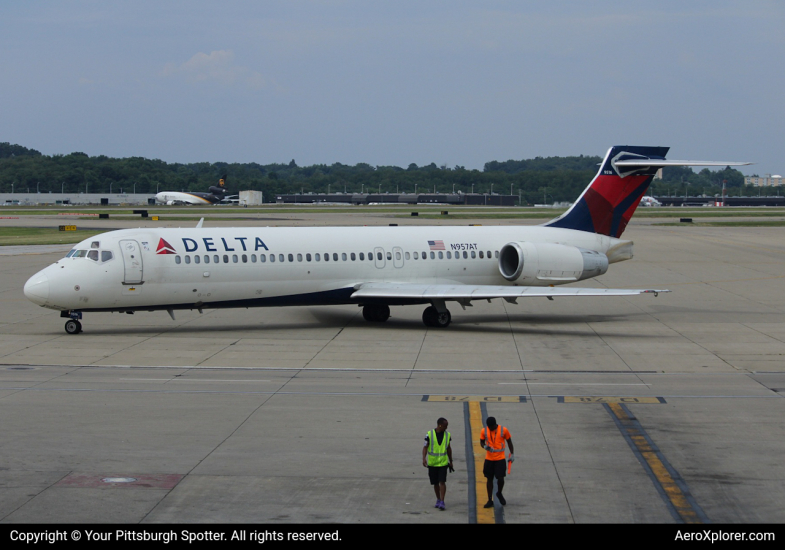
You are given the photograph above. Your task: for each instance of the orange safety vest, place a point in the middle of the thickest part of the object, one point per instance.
(495, 440)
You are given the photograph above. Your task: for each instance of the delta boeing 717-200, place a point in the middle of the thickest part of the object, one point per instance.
(134, 270)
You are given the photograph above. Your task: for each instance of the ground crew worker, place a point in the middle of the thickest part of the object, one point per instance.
(492, 439)
(437, 456)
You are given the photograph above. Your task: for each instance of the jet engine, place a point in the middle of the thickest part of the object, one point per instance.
(542, 264)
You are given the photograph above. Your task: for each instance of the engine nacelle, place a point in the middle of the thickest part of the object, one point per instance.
(543, 264)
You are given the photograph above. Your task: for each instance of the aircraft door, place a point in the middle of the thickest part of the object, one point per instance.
(378, 257)
(132, 259)
(397, 256)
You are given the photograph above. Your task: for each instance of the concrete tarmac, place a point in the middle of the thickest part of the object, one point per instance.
(622, 410)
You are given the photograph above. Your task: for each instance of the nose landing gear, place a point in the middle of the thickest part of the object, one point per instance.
(72, 326)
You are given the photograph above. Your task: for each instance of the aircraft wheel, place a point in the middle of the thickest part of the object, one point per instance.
(72, 326)
(432, 318)
(443, 319)
(376, 313)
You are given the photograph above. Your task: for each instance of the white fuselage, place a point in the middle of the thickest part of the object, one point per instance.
(176, 197)
(236, 267)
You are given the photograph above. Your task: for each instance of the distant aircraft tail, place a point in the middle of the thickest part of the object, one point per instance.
(610, 200)
(219, 190)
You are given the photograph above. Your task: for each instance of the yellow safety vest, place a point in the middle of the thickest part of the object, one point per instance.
(437, 454)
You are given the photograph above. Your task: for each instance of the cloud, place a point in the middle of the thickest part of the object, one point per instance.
(217, 66)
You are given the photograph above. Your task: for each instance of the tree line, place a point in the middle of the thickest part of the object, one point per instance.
(537, 180)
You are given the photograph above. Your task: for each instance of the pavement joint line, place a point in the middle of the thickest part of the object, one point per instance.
(348, 369)
(360, 394)
(668, 482)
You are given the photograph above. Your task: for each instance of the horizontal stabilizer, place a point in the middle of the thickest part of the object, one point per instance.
(661, 163)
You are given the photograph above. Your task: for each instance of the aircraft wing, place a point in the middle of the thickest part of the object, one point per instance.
(484, 292)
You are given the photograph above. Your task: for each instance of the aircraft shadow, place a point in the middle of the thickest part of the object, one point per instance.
(333, 318)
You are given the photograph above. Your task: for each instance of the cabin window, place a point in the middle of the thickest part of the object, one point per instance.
(197, 259)
(335, 256)
(354, 258)
(474, 254)
(216, 259)
(280, 258)
(318, 257)
(370, 256)
(490, 256)
(326, 256)
(106, 255)
(497, 254)
(362, 256)
(207, 258)
(93, 255)
(226, 258)
(343, 256)
(291, 257)
(433, 256)
(416, 255)
(441, 255)
(407, 255)
(188, 259)
(449, 255)
(465, 255)
(263, 258)
(253, 258)
(307, 257)
(389, 256)
(397, 255)
(424, 255)
(177, 259)
(234, 258)
(481, 255)
(299, 257)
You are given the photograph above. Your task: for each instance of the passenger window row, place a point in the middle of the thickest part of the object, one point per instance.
(334, 257)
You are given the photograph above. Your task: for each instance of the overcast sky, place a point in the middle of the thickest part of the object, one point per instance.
(391, 83)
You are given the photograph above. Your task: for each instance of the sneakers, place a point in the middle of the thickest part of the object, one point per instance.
(502, 500)
(437, 503)
(441, 505)
(488, 504)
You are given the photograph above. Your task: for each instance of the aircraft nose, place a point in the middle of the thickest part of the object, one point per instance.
(37, 288)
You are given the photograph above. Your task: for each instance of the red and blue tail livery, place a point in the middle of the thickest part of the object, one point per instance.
(608, 203)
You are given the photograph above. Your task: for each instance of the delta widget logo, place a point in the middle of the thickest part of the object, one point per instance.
(165, 248)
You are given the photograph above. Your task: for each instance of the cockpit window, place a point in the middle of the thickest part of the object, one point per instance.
(93, 255)
(95, 244)
(106, 255)
(80, 254)
(70, 253)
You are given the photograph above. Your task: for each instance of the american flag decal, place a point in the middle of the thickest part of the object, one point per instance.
(436, 245)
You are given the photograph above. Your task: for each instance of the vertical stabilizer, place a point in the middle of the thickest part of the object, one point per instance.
(610, 200)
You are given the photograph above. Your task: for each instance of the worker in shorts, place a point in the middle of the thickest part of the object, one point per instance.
(437, 457)
(493, 438)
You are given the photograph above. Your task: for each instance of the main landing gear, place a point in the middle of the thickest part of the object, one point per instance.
(376, 313)
(436, 316)
(432, 317)
(72, 326)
